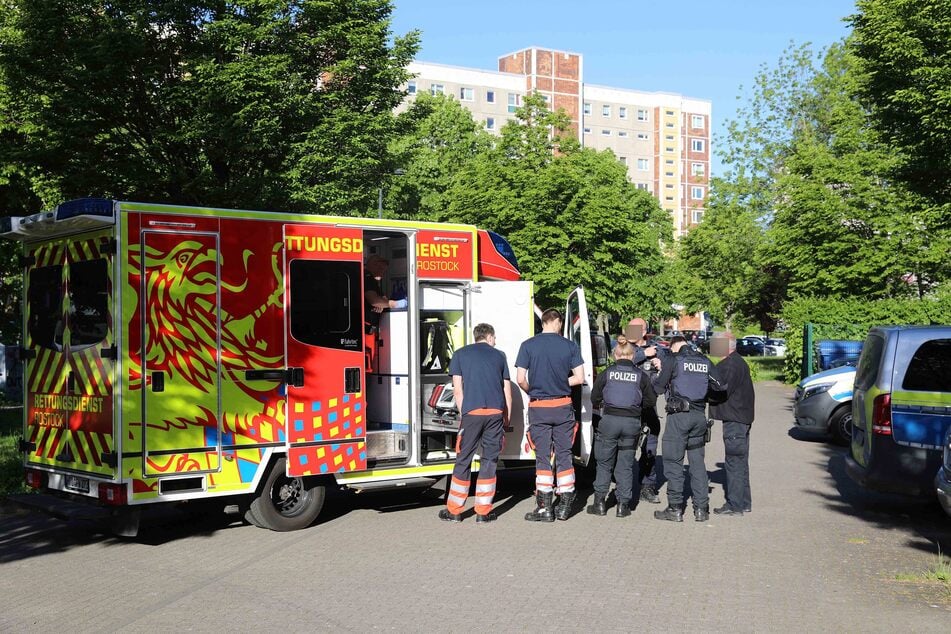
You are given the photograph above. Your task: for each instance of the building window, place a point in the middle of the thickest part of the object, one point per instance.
(490, 123)
(669, 137)
(587, 108)
(696, 193)
(642, 136)
(605, 132)
(697, 169)
(622, 112)
(466, 94)
(411, 88)
(668, 149)
(669, 124)
(696, 121)
(622, 134)
(605, 111)
(668, 197)
(515, 100)
(641, 115)
(643, 164)
(696, 145)
(437, 89)
(670, 112)
(668, 173)
(642, 186)
(490, 96)
(697, 217)
(587, 130)
(623, 160)
(669, 186)
(669, 161)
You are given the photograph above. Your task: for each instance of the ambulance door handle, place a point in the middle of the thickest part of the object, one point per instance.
(158, 381)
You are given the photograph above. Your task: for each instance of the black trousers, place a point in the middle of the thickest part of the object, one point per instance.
(614, 451)
(736, 443)
(683, 429)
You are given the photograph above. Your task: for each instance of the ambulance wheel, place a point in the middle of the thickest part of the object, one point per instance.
(286, 504)
(840, 425)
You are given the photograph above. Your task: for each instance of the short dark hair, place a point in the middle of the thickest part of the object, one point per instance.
(481, 331)
(551, 315)
(677, 339)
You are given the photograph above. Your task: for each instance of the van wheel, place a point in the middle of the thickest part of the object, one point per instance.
(286, 504)
(840, 425)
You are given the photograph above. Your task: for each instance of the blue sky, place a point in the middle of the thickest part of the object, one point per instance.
(698, 49)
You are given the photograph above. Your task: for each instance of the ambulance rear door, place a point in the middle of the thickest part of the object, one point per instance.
(508, 307)
(578, 328)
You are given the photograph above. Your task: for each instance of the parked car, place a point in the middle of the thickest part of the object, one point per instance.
(901, 409)
(749, 347)
(776, 347)
(942, 481)
(823, 403)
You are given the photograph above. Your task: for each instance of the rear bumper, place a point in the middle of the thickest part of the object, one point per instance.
(895, 469)
(942, 483)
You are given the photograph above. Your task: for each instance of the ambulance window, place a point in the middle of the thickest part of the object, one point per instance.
(88, 303)
(326, 304)
(45, 305)
(930, 368)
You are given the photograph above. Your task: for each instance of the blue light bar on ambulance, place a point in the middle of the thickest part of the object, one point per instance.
(91, 207)
(84, 214)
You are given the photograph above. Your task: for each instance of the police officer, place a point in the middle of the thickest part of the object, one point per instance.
(621, 391)
(737, 416)
(686, 377)
(548, 365)
(647, 463)
(481, 389)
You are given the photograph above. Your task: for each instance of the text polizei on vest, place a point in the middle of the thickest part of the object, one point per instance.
(623, 376)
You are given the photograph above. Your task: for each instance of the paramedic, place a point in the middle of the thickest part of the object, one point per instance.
(548, 366)
(483, 394)
(375, 303)
(686, 377)
(621, 392)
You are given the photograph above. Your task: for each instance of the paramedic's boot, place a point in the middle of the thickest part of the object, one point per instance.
(623, 509)
(701, 513)
(446, 516)
(544, 512)
(670, 514)
(566, 501)
(599, 506)
(649, 494)
(486, 518)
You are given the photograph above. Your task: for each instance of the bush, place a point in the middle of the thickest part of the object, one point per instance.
(852, 319)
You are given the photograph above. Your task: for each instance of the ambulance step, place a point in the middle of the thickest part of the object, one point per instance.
(58, 507)
(406, 483)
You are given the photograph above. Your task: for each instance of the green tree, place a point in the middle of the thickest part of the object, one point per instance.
(271, 104)
(904, 53)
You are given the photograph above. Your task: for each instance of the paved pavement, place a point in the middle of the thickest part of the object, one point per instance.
(817, 553)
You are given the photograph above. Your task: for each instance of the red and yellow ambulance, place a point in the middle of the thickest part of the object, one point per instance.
(180, 353)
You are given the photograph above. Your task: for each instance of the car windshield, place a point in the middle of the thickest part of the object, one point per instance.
(776, 342)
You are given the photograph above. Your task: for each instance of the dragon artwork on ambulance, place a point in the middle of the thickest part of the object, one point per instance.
(181, 330)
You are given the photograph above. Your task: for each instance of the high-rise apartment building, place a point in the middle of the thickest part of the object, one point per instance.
(662, 138)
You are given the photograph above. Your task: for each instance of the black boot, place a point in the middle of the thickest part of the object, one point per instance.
(599, 506)
(649, 494)
(670, 514)
(544, 512)
(701, 513)
(563, 510)
(623, 509)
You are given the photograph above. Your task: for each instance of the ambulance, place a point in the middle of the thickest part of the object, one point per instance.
(175, 354)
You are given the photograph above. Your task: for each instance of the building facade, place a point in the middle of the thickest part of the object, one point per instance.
(662, 138)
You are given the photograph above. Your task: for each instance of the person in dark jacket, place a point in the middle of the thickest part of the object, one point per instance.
(621, 391)
(736, 413)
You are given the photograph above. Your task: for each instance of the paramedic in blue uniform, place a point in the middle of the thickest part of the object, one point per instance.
(621, 392)
(483, 394)
(548, 365)
(686, 377)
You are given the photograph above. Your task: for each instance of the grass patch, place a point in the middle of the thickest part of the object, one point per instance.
(939, 573)
(762, 368)
(11, 460)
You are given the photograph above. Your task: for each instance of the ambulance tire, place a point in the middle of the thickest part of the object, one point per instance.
(286, 504)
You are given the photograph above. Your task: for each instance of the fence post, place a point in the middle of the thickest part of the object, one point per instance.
(807, 350)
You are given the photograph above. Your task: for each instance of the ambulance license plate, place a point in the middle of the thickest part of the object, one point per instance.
(77, 484)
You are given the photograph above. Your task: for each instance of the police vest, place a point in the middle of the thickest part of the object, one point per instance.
(622, 389)
(690, 378)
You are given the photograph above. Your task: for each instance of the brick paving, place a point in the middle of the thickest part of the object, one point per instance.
(817, 553)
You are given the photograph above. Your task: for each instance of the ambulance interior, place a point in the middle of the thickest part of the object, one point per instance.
(392, 390)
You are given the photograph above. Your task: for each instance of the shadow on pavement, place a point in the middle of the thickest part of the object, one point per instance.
(798, 433)
(924, 523)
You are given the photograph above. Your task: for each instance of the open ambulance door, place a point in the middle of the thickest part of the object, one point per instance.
(578, 328)
(508, 307)
(325, 376)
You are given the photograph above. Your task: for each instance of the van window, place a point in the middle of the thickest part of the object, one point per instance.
(930, 368)
(326, 306)
(88, 302)
(44, 301)
(871, 358)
